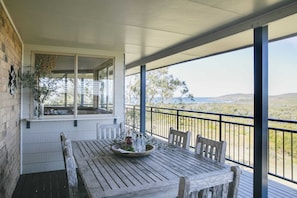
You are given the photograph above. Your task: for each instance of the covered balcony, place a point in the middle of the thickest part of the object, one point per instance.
(93, 45)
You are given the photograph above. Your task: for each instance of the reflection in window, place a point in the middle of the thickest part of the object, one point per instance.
(105, 86)
(61, 101)
(93, 91)
(94, 86)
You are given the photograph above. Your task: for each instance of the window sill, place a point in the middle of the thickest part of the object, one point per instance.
(67, 118)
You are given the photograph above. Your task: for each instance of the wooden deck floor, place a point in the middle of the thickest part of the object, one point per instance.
(54, 185)
(277, 189)
(42, 185)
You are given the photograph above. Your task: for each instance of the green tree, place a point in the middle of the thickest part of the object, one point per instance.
(160, 86)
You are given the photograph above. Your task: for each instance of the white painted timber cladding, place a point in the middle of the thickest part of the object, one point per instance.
(41, 143)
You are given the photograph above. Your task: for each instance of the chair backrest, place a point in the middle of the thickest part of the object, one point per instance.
(71, 173)
(76, 187)
(221, 185)
(215, 150)
(179, 138)
(68, 145)
(109, 131)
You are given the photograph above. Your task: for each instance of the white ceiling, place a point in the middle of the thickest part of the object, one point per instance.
(152, 32)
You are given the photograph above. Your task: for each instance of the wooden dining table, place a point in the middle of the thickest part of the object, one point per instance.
(106, 174)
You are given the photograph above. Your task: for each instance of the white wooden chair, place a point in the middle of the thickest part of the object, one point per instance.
(71, 174)
(76, 186)
(200, 186)
(109, 131)
(179, 138)
(215, 150)
(68, 145)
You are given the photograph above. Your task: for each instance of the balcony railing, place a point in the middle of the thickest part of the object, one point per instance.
(237, 131)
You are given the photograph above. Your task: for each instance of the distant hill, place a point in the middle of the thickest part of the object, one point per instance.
(282, 106)
(231, 98)
(289, 97)
(236, 97)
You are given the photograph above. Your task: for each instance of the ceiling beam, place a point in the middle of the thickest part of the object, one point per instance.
(277, 12)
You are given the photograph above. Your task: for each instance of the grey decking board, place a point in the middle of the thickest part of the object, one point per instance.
(46, 184)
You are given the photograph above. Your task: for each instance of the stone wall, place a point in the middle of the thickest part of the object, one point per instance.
(10, 57)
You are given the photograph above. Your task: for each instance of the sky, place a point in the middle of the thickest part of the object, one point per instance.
(232, 72)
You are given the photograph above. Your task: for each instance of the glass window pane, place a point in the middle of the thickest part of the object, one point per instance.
(110, 88)
(93, 90)
(57, 83)
(60, 101)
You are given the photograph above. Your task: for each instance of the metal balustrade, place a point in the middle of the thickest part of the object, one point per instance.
(236, 130)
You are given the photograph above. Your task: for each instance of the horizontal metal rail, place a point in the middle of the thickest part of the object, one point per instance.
(236, 130)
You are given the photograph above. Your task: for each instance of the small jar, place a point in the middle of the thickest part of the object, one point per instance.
(128, 140)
